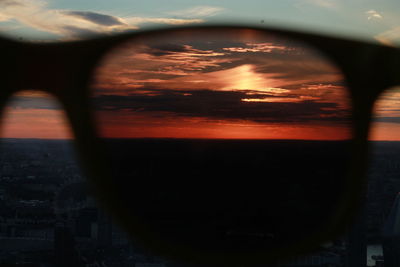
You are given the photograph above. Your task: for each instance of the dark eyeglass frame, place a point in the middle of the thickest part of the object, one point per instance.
(65, 69)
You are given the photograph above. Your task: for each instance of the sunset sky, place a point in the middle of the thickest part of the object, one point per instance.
(248, 88)
(230, 84)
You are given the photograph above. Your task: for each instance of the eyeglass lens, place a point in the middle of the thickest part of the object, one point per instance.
(224, 139)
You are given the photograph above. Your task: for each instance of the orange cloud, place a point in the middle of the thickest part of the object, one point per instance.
(184, 86)
(258, 47)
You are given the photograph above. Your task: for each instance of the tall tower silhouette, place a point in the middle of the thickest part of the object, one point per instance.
(391, 236)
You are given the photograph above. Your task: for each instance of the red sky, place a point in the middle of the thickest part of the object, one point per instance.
(222, 85)
(386, 124)
(231, 85)
(34, 115)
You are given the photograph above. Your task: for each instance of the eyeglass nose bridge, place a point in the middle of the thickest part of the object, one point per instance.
(394, 67)
(40, 69)
(384, 71)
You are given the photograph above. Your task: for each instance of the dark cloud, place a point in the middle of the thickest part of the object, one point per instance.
(337, 84)
(6, 3)
(26, 102)
(97, 18)
(147, 75)
(387, 119)
(290, 64)
(293, 68)
(222, 105)
(79, 32)
(166, 49)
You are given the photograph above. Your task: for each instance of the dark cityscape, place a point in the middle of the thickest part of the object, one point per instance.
(48, 217)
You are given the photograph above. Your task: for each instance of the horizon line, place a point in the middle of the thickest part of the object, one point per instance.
(187, 138)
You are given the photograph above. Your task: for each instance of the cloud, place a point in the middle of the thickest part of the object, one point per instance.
(78, 32)
(257, 47)
(33, 102)
(197, 12)
(76, 24)
(320, 3)
(4, 17)
(389, 37)
(387, 108)
(7, 3)
(220, 105)
(35, 14)
(387, 119)
(171, 21)
(373, 15)
(96, 18)
(262, 71)
(181, 76)
(247, 66)
(159, 60)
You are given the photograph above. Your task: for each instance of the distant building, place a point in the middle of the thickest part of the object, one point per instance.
(148, 264)
(318, 259)
(2, 194)
(86, 221)
(357, 243)
(65, 253)
(391, 236)
(104, 234)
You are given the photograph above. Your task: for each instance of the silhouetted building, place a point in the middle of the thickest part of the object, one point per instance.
(104, 231)
(357, 243)
(391, 236)
(319, 259)
(65, 253)
(379, 263)
(86, 221)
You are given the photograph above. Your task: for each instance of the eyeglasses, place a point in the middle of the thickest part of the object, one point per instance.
(216, 144)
